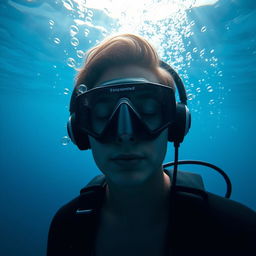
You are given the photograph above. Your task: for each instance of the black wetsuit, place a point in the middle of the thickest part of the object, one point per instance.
(204, 224)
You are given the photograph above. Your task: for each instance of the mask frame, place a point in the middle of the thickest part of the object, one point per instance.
(129, 105)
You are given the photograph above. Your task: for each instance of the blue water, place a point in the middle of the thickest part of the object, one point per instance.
(42, 42)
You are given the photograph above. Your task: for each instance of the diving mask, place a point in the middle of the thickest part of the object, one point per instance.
(125, 106)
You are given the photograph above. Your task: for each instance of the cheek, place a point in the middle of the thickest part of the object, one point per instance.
(99, 152)
(157, 149)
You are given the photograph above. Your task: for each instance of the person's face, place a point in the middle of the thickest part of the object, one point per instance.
(127, 160)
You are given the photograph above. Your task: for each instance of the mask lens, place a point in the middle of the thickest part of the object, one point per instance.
(150, 110)
(100, 114)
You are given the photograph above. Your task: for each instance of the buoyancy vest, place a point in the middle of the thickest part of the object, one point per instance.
(201, 223)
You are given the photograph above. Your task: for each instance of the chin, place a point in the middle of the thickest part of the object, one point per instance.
(129, 178)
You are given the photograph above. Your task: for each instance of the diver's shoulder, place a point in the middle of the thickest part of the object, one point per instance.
(230, 206)
(231, 212)
(61, 227)
(67, 210)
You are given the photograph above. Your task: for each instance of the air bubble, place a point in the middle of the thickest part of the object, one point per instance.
(82, 89)
(65, 140)
(203, 29)
(195, 49)
(56, 40)
(88, 19)
(211, 102)
(90, 13)
(192, 23)
(202, 52)
(71, 62)
(209, 89)
(86, 32)
(188, 34)
(73, 30)
(80, 54)
(220, 73)
(198, 89)
(68, 4)
(66, 91)
(212, 51)
(81, 15)
(214, 59)
(104, 33)
(51, 22)
(191, 96)
(188, 56)
(74, 41)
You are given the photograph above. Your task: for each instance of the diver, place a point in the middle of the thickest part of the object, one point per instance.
(123, 107)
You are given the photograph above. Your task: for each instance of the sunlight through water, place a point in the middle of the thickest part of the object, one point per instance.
(165, 24)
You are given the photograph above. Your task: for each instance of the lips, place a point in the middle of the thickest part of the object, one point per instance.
(127, 157)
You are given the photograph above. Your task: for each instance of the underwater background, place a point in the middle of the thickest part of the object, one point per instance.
(211, 43)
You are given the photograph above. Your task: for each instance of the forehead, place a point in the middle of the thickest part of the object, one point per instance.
(127, 71)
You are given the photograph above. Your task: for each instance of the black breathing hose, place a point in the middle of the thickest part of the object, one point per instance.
(175, 163)
(196, 162)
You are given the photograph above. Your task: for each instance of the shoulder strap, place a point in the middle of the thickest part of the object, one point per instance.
(98, 180)
(91, 196)
(188, 184)
(187, 179)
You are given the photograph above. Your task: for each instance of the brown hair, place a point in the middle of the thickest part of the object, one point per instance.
(119, 50)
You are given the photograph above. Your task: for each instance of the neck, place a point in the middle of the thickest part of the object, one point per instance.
(144, 203)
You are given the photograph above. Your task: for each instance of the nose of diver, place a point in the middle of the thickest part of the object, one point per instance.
(125, 131)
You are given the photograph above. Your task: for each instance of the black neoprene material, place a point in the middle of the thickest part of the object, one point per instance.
(201, 224)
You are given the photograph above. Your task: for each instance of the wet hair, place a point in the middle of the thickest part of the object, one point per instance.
(120, 50)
